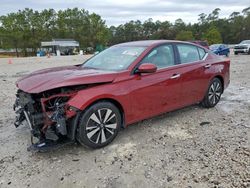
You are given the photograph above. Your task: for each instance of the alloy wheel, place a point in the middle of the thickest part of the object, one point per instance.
(101, 125)
(214, 93)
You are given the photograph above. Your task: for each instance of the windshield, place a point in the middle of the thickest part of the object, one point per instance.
(114, 58)
(214, 46)
(245, 42)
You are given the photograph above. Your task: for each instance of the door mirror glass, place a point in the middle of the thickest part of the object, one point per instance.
(147, 68)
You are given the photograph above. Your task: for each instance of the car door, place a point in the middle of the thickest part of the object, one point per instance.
(157, 92)
(192, 69)
(224, 49)
(221, 50)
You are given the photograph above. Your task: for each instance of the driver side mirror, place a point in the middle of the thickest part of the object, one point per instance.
(147, 68)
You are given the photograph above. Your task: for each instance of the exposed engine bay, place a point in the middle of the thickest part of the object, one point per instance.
(43, 99)
(47, 114)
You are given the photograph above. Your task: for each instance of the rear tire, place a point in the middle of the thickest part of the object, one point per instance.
(99, 125)
(213, 94)
(235, 53)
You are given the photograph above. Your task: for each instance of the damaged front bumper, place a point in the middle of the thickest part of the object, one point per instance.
(49, 119)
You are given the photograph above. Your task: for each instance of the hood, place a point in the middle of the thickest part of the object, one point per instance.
(243, 45)
(52, 78)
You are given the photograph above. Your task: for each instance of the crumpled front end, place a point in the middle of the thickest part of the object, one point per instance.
(47, 114)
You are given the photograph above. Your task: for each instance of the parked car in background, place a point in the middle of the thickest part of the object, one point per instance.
(119, 86)
(201, 43)
(220, 49)
(243, 47)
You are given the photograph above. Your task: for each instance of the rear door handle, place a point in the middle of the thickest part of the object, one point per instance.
(175, 76)
(207, 66)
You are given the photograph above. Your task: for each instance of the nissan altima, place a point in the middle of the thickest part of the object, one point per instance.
(126, 83)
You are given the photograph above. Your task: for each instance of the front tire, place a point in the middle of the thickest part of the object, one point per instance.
(99, 125)
(213, 94)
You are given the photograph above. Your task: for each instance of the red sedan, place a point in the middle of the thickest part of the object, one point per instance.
(123, 84)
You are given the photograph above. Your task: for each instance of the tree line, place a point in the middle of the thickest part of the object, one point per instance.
(26, 29)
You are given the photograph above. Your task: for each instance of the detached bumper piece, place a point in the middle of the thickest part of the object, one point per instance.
(47, 119)
(49, 145)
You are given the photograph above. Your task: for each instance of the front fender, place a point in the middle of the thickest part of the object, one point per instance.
(82, 100)
(86, 97)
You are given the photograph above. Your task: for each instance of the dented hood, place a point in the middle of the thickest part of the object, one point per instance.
(52, 78)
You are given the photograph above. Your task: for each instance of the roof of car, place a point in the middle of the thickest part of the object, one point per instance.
(145, 42)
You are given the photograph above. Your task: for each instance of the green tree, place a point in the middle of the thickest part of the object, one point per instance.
(11, 33)
(98, 32)
(202, 18)
(165, 31)
(213, 36)
(246, 23)
(185, 35)
(214, 15)
(25, 29)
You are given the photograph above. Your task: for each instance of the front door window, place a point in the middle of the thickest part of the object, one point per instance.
(162, 56)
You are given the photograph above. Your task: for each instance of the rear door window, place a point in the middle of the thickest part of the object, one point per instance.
(188, 53)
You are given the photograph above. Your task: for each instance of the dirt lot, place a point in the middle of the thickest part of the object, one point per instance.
(192, 147)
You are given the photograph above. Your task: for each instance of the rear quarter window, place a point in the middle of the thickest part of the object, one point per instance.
(202, 53)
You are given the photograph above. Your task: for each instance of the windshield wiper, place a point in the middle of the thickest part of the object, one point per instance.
(90, 67)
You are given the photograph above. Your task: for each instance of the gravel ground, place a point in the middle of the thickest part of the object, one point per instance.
(191, 147)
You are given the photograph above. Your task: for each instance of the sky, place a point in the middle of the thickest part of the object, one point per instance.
(116, 12)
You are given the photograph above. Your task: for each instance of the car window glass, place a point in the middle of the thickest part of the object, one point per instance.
(188, 53)
(202, 53)
(162, 56)
(152, 53)
(114, 58)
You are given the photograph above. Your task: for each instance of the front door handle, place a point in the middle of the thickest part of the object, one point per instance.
(175, 76)
(207, 66)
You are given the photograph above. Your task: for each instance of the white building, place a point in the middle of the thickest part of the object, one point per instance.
(61, 47)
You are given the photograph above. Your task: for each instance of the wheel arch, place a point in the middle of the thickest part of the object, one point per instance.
(221, 79)
(73, 127)
(116, 103)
